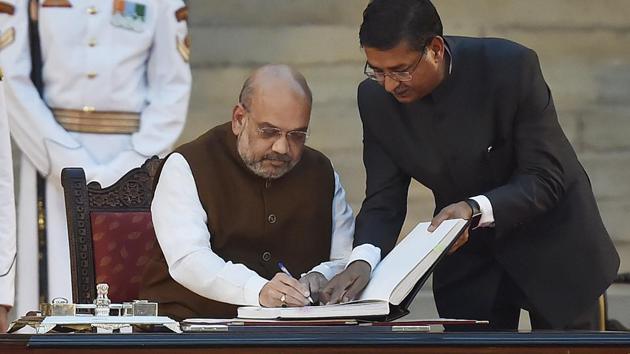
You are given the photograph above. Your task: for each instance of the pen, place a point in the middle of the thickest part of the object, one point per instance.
(286, 271)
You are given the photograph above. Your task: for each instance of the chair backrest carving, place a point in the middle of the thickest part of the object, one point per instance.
(109, 231)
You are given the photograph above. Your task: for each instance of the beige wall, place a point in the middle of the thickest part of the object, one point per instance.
(584, 47)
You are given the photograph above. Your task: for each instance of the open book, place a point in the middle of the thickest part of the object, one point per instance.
(394, 283)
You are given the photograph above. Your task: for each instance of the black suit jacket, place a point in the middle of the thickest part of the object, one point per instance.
(490, 128)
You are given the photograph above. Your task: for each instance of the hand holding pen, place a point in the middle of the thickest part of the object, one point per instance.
(283, 290)
(286, 271)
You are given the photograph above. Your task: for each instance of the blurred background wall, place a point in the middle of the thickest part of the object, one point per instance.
(583, 45)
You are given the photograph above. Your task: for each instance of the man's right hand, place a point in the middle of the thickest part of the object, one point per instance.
(346, 285)
(283, 290)
(4, 318)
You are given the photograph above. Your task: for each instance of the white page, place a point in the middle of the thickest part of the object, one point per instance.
(403, 258)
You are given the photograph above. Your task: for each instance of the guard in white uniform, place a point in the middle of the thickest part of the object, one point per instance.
(7, 217)
(116, 87)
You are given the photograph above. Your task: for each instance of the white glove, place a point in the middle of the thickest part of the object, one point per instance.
(106, 174)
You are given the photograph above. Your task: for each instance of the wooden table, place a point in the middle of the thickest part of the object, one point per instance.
(350, 339)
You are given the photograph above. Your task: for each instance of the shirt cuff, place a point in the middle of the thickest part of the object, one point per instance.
(366, 252)
(329, 269)
(323, 270)
(251, 291)
(487, 216)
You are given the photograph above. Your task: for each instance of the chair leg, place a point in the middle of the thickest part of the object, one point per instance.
(602, 312)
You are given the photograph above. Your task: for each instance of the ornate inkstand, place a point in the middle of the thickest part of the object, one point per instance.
(103, 315)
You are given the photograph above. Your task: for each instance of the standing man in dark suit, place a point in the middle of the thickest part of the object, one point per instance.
(473, 120)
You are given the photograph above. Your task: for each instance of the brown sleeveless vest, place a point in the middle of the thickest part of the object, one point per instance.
(251, 220)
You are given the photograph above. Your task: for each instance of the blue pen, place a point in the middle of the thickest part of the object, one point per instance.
(286, 271)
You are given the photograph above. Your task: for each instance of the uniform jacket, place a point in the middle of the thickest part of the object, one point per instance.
(7, 208)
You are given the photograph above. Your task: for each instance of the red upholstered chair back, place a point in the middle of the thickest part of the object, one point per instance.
(110, 231)
(121, 242)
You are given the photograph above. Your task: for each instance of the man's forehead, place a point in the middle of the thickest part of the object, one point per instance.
(283, 110)
(277, 88)
(394, 58)
(278, 98)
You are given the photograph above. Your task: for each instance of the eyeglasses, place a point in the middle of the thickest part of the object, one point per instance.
(294, 137)
(404, 75)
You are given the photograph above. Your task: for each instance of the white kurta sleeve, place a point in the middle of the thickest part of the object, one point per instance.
(7, 212)
(342, 234)
(32, 124)
(169, 81)
(180, 226)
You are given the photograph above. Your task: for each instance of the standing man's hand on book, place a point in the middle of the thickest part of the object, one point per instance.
(315, 282)
(283, 290)
(460, 210)
(346, 285)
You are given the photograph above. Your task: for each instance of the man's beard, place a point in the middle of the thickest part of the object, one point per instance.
(256, 166)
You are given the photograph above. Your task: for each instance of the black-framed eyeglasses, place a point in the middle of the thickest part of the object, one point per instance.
(401, 76)
(295, 137)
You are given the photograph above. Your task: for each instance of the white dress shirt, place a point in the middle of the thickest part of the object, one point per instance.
(181, 227)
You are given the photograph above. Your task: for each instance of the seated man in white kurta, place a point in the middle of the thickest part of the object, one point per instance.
(244, 196)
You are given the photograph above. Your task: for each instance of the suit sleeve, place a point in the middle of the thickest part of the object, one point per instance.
(541, 149)
(385, 205)
(169, 80)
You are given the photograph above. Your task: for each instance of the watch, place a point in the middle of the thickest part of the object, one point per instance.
(476, 213)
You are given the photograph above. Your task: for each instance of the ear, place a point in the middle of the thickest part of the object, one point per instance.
(436, 47)
(238, 119)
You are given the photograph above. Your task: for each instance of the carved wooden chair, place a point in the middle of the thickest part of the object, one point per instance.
(110, 231)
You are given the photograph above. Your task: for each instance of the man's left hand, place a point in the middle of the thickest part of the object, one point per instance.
(460, 210)
(315, 282)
